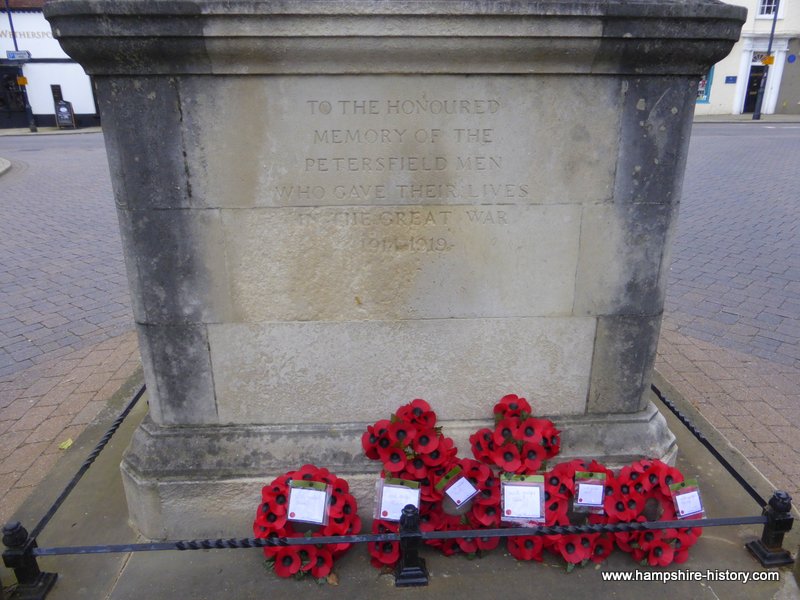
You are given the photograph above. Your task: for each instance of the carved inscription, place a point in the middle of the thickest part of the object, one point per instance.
(382, 150)
(404, 230)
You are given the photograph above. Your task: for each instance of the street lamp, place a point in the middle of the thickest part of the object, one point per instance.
(763, 83)
(20, 76)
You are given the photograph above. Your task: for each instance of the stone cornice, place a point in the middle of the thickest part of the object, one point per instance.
(301, 37)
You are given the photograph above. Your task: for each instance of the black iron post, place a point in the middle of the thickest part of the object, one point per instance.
(768, 550)
(32, 583)
(411, 570)
(763, 83)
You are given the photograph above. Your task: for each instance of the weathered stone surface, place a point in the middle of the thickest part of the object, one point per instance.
(148, 165)
(264, 373)
(624, 351)
(201, 481)
(177, 371)
(623, 267)
(402, 262)
(330, 208)
(402, 141)
(178, 261)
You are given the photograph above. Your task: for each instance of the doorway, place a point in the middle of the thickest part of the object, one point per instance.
(753, 83)
(12, 101)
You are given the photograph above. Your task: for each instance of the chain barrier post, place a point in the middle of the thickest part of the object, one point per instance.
(411, 570)
(32, 583)
(769, 549)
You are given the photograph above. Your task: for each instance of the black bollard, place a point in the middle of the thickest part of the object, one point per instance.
(411, 569)
(769, 549)
(32, 583)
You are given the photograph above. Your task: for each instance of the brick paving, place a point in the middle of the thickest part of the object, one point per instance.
(51, 402)
(66, 329)
(735, 278)
(62, 279)
(730, 341)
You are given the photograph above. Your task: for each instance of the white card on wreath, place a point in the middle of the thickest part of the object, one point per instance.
(689, 503)
(394, 498)
(590, 494)
(307, 505)
(522, 501)
(461, 491)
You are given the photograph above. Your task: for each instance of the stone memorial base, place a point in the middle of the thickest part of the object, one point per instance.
(205, 482)
(329, 209)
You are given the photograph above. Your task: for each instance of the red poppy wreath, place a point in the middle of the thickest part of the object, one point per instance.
(272, 520)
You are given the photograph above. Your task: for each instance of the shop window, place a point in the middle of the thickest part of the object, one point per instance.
(704, 88)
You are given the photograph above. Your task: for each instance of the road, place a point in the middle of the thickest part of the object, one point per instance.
(735, 275)
(62, 278)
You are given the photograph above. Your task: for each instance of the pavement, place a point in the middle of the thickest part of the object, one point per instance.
(68, 357)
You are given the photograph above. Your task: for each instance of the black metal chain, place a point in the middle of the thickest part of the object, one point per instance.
(234, 543)
(710, 447)
(86, 464)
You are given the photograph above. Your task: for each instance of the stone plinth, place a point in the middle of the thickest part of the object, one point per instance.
(331, 208)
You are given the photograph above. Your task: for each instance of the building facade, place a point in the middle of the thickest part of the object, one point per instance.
(731, 87)
(49, 75)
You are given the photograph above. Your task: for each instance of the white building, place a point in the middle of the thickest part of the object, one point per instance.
(732, 85)
(49, 66)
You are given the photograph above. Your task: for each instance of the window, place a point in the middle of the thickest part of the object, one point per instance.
(704, 88)
(767, 8)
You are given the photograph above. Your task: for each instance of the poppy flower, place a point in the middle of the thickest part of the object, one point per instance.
(551, 439)
(384, 553)
(649, 538)
(625, 539)
(431, 520)
(426, 441)
(450, 547)
(530, 430)
(487, 543)
(485, 515)
(416, 469)
(272, 517)
(511, 405)
(482, 444)
(427, 492)
(306, 473)
(693, 532)
(681, 544)
(623, 507)
(660, 553)
(475, 471)
(666, 477)
(596, 467)
(489, 492)
(394, 459)
(468, 545)
(369, 442)
(505, 431)
(556, 512)
(526, 547)
(602, 546)
(402, 433)
(507, 458)
(287, 561)
(436, 457)
(322, 563)
(574, 548)
(417, 412)
(532, 455)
